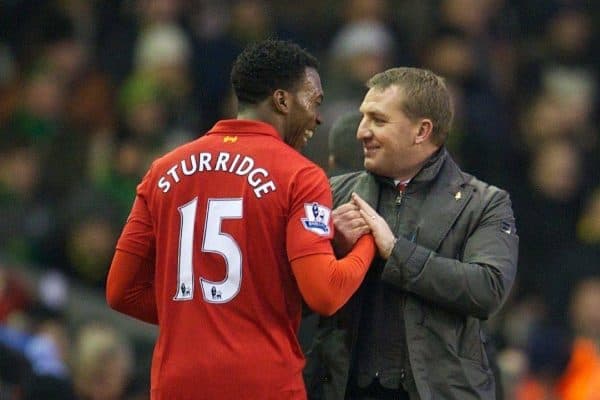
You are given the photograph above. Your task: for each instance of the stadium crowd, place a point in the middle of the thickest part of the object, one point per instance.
(91, 91)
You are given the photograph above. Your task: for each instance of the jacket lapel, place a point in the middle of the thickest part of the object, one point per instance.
(445, 201)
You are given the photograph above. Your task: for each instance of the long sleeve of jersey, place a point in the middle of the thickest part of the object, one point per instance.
(326, 283)
(130, 287)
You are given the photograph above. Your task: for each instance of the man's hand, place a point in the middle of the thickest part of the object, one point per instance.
(384, 237)
(349, 227)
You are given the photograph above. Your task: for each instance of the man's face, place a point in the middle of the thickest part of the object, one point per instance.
(304, 114)
(388, 135)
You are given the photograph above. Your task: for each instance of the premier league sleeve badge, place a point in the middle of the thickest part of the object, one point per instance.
(317, 218)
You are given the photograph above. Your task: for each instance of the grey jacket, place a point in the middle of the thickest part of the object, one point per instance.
(456, 269)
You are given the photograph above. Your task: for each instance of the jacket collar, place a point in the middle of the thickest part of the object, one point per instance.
(432, 166)
(427, 173)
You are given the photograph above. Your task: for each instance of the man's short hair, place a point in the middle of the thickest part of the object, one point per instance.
(266, 66)
(425, 96)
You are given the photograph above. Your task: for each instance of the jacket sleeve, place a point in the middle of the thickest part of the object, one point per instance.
(478, 283)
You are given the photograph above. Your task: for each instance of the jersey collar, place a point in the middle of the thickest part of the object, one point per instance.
(243, 126)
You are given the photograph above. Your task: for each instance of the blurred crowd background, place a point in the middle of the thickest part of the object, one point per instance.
(92, 91)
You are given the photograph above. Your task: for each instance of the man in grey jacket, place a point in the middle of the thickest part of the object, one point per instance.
(447, 257)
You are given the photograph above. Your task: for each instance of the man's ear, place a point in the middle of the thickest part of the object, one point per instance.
(281, 101)
(425, 131)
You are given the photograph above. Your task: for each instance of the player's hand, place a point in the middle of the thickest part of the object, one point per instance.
(349, 227)
(384, 237)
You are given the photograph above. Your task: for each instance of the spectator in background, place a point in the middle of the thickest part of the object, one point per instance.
(581, 380)
(563, 47)
(163, 56)
(557, 151)
(561, 367)
(36, 338)
(447, 256)
(89, 241)
(48, 352)
(547, 354)
(16, 296)
(24, 219)
(102, 363)
(553, 182)
(575, 262)
(15, 373)
(345, 152)
(120, 25)
(251, 298)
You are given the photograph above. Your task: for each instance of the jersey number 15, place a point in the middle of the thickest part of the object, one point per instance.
(214, 241)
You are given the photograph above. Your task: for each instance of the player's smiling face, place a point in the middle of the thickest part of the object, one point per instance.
(304, 110)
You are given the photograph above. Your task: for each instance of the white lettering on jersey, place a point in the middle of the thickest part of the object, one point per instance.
(225, 162)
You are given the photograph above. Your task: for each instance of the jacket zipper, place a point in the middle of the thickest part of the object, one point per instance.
(399, 197)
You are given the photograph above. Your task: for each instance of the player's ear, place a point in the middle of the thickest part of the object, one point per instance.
(425, 129)
(281, 101)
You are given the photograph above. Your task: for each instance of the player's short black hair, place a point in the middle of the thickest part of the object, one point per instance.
(266, 66)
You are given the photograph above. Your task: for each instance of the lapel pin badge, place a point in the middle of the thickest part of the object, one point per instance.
(458, 195)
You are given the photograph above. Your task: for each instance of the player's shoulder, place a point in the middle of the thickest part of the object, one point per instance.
(293, 160)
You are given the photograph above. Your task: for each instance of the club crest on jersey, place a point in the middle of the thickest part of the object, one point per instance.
(317, 218)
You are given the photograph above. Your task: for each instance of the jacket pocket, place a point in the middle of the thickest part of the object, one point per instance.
(461, 336)
(472, 342)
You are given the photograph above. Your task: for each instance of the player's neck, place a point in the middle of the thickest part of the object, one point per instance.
(260, 114)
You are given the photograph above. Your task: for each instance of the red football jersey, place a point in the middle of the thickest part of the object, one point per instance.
(224, 215)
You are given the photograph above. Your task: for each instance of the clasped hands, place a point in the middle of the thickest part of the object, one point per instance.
(356, 218)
